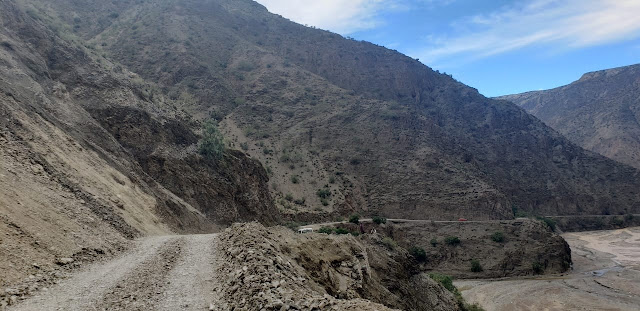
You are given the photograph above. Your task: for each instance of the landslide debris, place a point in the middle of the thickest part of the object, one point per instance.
(277, 269)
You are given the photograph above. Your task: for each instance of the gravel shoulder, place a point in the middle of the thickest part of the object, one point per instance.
(159, 273)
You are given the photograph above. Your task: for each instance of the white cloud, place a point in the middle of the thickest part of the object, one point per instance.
(563, 24)
(341, 16)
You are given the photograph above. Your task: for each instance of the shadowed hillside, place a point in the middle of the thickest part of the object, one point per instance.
(600, 112)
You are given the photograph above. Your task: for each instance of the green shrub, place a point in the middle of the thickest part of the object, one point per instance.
(324, 202)
(628, 217)
(518, 213)
(434, 242)
(389, 243)
(551, 223)
(476, 266)
(300, 201)
(617, 221)
(295, 179)
(418, 253)
(445, 280)
(324, 193)
(212, 143)
(326, 230)
(246, 66)
(537, 267)
(293, 225)
(244, 146)
(342, 231)
(285, 158)
(354, 219)
(452, 240)
(379, 220)
(288, 197)
(332, 180)
(497, 237)
(473, 307)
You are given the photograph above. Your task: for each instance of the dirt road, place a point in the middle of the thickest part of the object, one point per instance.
(605, 276)
(159, 273)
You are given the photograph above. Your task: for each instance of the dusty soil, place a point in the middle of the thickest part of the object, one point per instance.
(276, 269)
(158, 273)
(605, 276)
(248, 267)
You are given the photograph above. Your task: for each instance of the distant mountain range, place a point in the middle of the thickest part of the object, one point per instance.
(600, 112)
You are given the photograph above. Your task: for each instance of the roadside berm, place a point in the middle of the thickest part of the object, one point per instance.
(277, 269)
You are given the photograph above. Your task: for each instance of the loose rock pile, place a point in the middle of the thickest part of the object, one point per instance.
(260, 276)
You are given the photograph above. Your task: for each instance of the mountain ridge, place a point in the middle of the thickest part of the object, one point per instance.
(314, 107)
(600, 111)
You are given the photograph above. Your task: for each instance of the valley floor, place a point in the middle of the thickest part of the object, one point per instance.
(605, 276)
(159, 273)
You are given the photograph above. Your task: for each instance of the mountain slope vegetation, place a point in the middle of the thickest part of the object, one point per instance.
(600, 112)
(379, 131)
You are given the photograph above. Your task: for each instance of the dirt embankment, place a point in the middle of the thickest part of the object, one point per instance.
(502, 248)
(276, 269)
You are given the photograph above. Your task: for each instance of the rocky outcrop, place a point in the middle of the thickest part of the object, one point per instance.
(525, 247)
(233, 189)
(276, 269)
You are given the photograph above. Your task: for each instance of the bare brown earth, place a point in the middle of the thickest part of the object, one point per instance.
(248, 267)
(605, 276)
(158, 273)
(275, 267)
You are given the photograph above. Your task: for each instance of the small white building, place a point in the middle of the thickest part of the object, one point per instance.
(305, 230)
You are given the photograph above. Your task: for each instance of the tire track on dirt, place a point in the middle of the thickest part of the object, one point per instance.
(88, 287)
(146, 285)
(193, 280)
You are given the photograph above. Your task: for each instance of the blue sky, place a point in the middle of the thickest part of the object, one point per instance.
(497, 46)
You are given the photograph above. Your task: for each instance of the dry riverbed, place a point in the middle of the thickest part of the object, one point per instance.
(605, 276)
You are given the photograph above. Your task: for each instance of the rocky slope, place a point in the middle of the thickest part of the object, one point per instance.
(600, 112)
(321, 272)
(524, 244)
(382, 132)
(74, 181)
